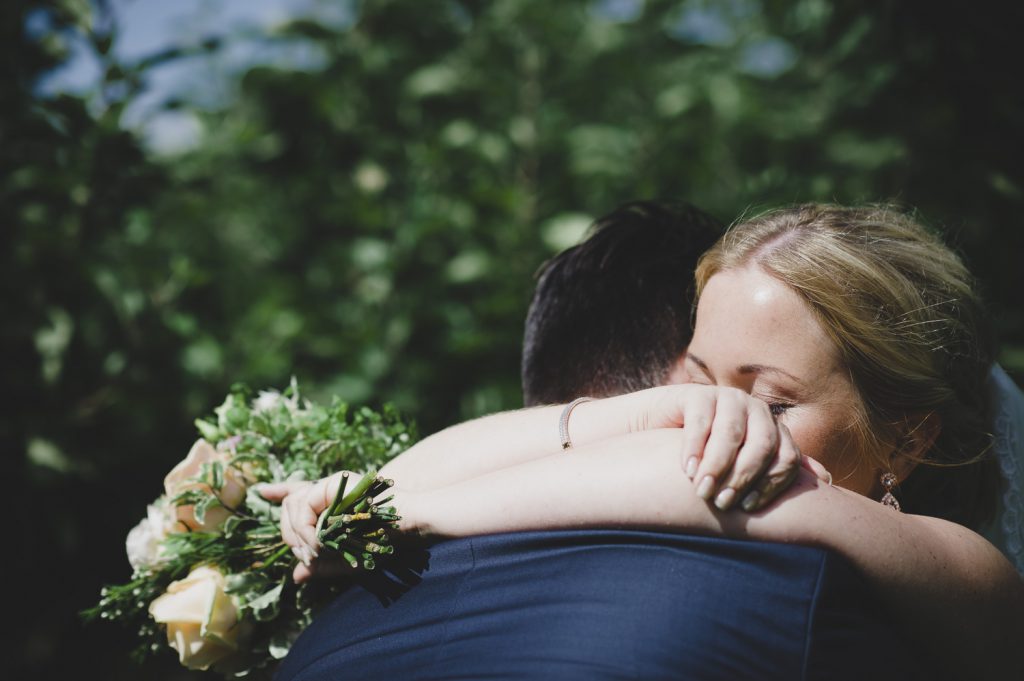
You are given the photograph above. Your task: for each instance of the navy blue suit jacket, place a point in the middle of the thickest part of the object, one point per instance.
(605, 604)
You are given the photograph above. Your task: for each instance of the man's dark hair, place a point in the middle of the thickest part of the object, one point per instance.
(612, 314)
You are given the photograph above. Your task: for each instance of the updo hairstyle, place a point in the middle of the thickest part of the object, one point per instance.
(903, 313)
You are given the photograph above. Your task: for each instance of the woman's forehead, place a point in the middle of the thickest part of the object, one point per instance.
(746, 316)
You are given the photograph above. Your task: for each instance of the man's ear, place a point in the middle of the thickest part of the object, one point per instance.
(920, 433)
(677, 372)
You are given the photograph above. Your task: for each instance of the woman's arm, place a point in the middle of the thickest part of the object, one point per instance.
(730, 438)
(629, 481)
(947, 587)
(731, 447)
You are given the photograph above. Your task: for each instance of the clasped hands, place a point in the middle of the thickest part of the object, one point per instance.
(732, 448)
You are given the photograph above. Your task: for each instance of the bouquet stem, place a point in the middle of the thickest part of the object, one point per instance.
(354, 526)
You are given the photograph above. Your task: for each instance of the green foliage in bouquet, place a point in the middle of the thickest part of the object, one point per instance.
(212, 576)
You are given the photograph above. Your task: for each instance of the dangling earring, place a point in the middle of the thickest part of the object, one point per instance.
(888, 482)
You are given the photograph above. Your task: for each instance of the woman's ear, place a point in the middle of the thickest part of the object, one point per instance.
(920, 433)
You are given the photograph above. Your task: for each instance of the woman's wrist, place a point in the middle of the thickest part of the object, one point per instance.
(607, 417)
(413, 511)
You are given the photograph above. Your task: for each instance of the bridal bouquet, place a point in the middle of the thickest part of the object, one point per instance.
(211, 576)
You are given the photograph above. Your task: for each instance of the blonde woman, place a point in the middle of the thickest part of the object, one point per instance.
(860, 333)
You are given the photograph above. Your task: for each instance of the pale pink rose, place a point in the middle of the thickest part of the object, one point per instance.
(201, 618)
(145, 542)
(182, 478)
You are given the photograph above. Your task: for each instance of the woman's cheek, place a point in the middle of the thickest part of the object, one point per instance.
(832, 444)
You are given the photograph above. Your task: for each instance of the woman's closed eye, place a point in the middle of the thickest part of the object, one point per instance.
(779, 399)
(777, 404)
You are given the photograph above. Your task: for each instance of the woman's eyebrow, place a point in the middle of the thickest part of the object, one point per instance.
(766, 369)
(699, 362)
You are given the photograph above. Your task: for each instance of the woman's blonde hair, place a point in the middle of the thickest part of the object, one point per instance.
(903, 313)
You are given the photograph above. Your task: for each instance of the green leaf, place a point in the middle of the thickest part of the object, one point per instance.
(267, 606)
(232, 415)
(188, 497)
(241, 582)
(260, 507)
(199, 510)
(212, 473)
(231, 525)
(281, 642)
(208, 431)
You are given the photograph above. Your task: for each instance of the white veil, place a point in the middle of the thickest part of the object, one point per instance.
(1007, 532)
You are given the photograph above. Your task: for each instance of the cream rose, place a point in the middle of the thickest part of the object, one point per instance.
(201, 618)
(182, 478)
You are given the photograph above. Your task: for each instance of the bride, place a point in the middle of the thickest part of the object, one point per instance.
(846, 338)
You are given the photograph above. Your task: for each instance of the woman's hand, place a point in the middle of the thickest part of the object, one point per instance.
(301, 506)
(733, 448)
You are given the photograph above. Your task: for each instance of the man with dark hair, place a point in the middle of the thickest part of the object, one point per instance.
(612, 314)
(609, 316)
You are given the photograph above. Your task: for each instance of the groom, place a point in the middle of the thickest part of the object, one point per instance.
(612, 314)
(609, 316)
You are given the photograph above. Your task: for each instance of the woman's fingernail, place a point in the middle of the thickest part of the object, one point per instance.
(691, 467)
(750, 501)
(725, 498)
(706, 487)
(305, 557)
(829, 478)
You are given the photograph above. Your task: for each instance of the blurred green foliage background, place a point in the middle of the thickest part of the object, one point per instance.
(369, 219)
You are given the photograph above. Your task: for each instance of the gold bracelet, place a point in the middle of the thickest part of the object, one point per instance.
(563, 422)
